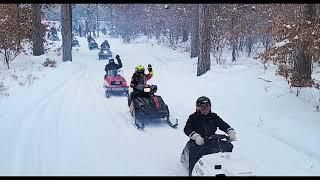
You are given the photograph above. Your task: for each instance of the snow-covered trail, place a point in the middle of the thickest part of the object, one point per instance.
(69, 128)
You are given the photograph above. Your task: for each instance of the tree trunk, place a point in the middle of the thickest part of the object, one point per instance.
(234, 49)
(249, 45)
(111, 23)
(302, 64)
(38, 48)
(19, 22)
(184, 34)
(66, 18)
(195, 32)
(234, 39)
(88, 22)
(204, 39)
(97, 20)
(87, 28)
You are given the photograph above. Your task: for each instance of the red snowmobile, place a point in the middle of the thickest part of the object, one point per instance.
(115, 84)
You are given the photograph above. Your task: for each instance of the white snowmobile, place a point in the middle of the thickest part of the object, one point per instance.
(217, 164)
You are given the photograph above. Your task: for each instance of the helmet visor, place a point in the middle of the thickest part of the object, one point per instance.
(140, 71)
(203, 103)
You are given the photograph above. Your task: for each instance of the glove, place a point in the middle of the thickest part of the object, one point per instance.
(117, 57)
(140, 87)
(197, 137)
(232, 134)
(149, 67)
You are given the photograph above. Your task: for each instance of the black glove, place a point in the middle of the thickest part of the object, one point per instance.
(140, 87)
(117, 57)
(149, 67)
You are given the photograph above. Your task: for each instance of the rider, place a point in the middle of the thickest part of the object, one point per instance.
(89, 38)
(111, 68)
(105, 45)
(138, 80)
(202, 124)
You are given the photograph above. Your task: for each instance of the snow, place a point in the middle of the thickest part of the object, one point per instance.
(282, 43)
(288, 26)
(61, 123)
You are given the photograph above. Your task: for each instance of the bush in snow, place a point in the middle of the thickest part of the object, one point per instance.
(3, 90)
(49, 63)
(297, 47)
(15, 26)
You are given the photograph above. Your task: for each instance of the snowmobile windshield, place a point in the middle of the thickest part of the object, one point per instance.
(112, 72)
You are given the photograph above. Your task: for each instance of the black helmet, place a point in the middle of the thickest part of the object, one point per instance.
(111, 60)
(203, 100)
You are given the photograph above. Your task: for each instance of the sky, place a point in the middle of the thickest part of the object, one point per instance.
(57, 121)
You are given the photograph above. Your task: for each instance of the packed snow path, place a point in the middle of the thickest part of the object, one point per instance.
(63, 124)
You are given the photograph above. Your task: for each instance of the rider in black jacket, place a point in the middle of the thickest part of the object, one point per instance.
(112, 66)
(201, 125)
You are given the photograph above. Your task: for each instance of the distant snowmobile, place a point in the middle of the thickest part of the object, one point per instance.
(53, 37)
(217, 163)
(75, 43)
(104, 54)
(93, 44)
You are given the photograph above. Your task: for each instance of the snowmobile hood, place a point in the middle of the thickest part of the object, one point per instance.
(117, 78)
(231, 165)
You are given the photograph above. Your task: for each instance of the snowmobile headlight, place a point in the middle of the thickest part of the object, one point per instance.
(105, 52)
(147, 89)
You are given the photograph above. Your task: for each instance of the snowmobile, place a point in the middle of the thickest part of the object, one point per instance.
(217, 163)
(105, 54)
(93, 44)
(75, 43)
(115, 84)
(150, 106)
(53, 37)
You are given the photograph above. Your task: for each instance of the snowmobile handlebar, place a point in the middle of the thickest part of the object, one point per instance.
(217, 137)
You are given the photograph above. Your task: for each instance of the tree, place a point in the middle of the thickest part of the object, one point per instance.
(13, 29)
(303, 62)
(37, 29)
(204, 38)
(195, 32)
(66, 18)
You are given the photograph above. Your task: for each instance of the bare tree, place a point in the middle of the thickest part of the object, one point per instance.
(37, 35)
(195, 32)
(66, 18)
(204, 38)
(97, 19)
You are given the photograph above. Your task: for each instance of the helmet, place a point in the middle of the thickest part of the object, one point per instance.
(111, 60)
(203, 100)
(140, 69)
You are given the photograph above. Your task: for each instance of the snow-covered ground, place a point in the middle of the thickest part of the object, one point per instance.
(56, 121)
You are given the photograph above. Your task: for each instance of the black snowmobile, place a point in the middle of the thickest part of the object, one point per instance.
(104, 53)
(53, 37)
(92, 44)
(149, 106)
(75, 43)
